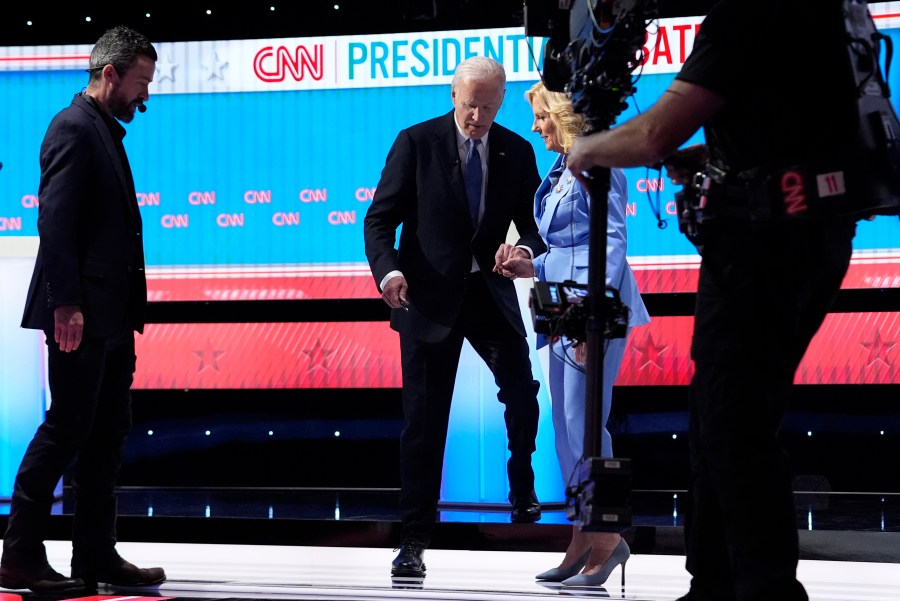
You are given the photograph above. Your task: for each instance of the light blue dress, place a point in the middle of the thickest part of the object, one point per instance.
(562, 209)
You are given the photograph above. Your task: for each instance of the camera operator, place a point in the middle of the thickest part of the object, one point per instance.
(761, 81)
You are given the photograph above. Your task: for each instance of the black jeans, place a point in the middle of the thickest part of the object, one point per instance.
(88, 421)
(764, 290)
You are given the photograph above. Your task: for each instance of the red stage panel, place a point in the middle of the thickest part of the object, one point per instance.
(268, 355)
(851, 348)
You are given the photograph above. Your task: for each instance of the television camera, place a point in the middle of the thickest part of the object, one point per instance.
(593, 48)
(561, 309)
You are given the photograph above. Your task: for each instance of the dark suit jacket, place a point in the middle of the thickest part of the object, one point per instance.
(91, 244)
(422, 188)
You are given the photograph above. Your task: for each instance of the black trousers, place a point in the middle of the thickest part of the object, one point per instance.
(429, 375)
(764, 290)
(88, 421)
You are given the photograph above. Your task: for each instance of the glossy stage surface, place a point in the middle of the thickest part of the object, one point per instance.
(338, 544)
(320, 573)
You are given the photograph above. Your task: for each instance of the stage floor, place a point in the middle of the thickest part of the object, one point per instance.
(213, 571)
(335, 545)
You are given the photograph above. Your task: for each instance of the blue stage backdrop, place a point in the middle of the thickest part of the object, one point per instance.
(254, 165)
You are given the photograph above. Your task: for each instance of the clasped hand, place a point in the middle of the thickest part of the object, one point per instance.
(512, 262)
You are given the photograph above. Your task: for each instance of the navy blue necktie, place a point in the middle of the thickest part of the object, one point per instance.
(473, 178)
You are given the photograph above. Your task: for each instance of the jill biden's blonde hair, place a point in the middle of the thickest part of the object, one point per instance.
(569, 124)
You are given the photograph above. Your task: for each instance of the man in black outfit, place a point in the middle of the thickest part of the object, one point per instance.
(767, 279)
(88, 294)
(456, 183)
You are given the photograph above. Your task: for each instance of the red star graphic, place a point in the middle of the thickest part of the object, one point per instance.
(650, 352)
(317, 356)
(878, 349)
(209, 357)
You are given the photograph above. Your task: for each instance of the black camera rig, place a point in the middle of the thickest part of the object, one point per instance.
(855, 177)
(562, 308)
(594, 47)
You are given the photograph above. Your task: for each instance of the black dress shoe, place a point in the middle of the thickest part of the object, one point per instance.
(43, 579)
(526, 508)
(118, 573)
(409, 560)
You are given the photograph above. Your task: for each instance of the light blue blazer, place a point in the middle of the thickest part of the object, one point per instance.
(562, 210)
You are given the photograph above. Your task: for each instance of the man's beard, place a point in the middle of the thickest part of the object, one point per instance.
(122, 110)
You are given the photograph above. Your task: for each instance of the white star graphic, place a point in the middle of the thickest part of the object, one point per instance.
(216, 68)
(166, 69)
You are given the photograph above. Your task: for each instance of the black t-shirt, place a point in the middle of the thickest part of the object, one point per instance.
(782, 67)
